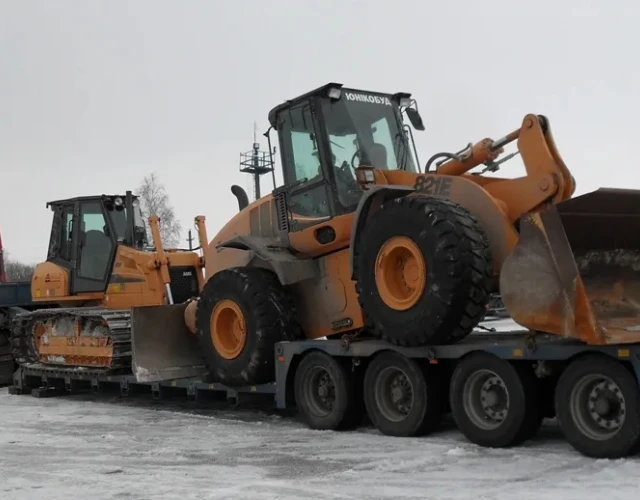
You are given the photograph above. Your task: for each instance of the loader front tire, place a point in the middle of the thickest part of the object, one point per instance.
(423, 271)
(241, 314)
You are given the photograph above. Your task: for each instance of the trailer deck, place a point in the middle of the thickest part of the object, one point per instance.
(506, 350)
(514, 344)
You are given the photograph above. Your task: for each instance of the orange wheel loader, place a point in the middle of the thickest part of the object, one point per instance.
(361, 241)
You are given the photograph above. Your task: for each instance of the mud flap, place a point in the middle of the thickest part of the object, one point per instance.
(576, 269)
(163, 348)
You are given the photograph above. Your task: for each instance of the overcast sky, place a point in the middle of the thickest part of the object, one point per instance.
(94, 94)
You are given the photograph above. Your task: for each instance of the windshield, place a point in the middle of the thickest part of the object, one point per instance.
(365, 129)
(119, 219)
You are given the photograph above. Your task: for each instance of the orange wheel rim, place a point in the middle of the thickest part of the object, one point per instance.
(228, 329)
(401, 273)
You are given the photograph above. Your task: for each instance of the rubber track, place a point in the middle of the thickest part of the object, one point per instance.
(119, 324)
(6, 359)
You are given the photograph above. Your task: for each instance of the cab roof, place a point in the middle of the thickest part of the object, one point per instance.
(322, 91)
(89, 198)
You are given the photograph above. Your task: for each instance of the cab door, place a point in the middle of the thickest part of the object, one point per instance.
(94, 248)
(310, 202)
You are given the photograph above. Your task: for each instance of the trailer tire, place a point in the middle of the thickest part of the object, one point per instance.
(327, 395)
(443, 253)
(578, 408)
(256, 307)
(390, 376)
(513, 387)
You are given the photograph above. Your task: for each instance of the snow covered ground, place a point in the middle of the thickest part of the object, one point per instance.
(98, 447)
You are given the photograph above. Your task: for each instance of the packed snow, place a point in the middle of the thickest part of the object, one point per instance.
(99, 447)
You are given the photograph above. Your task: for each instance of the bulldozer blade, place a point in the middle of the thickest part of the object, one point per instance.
(163, 348)
(575, 270)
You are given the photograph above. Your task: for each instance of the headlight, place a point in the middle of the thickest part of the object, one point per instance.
(365, 176)
(334, 93)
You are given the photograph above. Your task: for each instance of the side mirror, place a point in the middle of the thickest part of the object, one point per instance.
(415, 118)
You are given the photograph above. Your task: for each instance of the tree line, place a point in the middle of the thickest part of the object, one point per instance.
(154, 200)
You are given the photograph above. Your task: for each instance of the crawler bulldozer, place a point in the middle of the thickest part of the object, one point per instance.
(361, 241)
(99, 265)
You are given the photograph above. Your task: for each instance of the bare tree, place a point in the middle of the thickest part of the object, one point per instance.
(154, 200)
(17, 271)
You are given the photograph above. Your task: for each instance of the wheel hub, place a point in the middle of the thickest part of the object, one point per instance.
(324, 391)
(486, 399)
(493, 398)
(606, 406)
(597, 406)
(400, 273)
(394, 394)
(228, 329)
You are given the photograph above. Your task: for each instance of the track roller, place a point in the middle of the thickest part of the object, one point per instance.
(598, 407)
(327, 394)
(495, 403)
(401, 400)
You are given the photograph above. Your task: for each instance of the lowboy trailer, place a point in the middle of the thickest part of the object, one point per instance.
(497, 385)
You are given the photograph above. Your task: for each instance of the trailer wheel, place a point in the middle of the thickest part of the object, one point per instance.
(494, 402)
(326, 394)
(241, 314)
(400, 399)
(423, 271)
(598, 407)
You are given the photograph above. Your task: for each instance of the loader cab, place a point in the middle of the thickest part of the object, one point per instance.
(326, 134)
(86, 232)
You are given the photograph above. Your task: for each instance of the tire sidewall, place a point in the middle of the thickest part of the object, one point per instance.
(228, 285)
(413, 423)
(344, 391)
(458, 269)
(627, 440)
(375, 235)
(517, 416)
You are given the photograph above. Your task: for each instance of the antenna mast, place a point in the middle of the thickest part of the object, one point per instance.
(256, 162)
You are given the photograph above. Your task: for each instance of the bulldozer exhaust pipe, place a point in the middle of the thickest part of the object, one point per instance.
(575, 271)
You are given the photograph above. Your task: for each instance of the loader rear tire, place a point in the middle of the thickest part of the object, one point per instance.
(423, 271)
(252, 304)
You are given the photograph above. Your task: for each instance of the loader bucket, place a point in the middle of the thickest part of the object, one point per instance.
(163, 348)
(575, 270)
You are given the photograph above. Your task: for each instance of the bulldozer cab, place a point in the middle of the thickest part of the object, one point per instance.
(85, 234)
(326, 134)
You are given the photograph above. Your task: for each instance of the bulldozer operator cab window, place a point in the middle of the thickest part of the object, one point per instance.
(119, 218)
(60, 244)
(96, 244)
